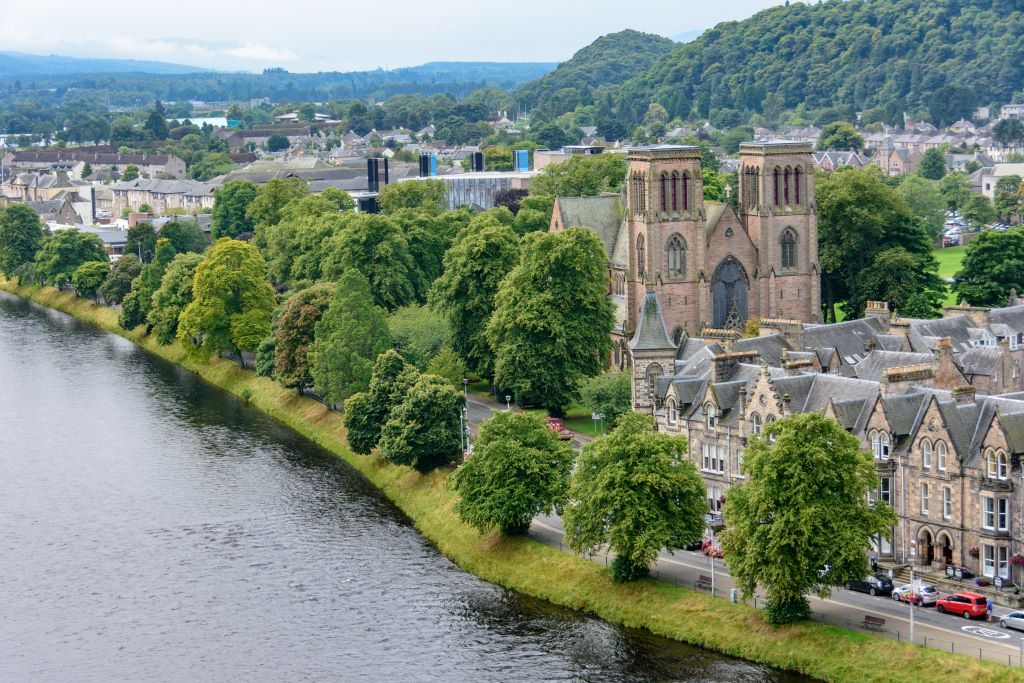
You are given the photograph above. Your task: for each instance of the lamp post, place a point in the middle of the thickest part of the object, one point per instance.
(508, 403)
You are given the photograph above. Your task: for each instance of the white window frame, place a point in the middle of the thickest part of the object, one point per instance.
(988, 560)
(757, 425)
(947, 503)
(885, 445)
(1002, 465)
(709, 415)
(885, 489)
(940, 455)
(1002, 514)
(924, 499)
(672, 417)
(990, 464)
(926, 454)
(988, 512)
(1003, 561)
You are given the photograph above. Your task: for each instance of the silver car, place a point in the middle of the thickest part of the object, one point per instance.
(1012, 620)
(928, 595)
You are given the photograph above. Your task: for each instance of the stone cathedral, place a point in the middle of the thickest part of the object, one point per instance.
(704, 264)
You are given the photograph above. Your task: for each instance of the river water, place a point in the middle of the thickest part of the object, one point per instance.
(155, 528)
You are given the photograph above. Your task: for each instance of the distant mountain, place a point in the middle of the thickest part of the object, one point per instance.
(22, 64)
(609, 60)
(940, 58)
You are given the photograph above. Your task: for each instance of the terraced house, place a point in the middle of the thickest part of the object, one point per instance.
(939, 404)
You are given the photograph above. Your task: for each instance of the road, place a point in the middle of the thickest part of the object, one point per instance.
(844, 608)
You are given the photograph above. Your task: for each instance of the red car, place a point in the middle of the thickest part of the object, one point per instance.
(555, 425)
(967, 605)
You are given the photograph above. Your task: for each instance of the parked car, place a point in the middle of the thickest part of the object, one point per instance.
(1013, 620)
(873, 584)
(905, 593)
(555, 425)
(967, 605)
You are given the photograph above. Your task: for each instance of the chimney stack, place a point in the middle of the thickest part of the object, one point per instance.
(879, 310)
(964, 395)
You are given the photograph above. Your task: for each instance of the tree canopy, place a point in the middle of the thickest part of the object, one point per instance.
(374, 245)
(993, 265)
(20, 235)
(349, 337)
(230, 208)
(89, 276)
(119, 281)
(840, 135)
(637, 492)
(552, 320)
(423, 430)
(294, 329)
(366, 413)
(581, 176)
(172, 296)
(800, 522)
(519, 469)
(61, 253)
(427, 194)
(231, 301)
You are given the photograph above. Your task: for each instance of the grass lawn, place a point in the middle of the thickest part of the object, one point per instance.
(949, 260)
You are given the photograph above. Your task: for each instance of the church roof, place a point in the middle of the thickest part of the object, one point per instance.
(650, 331)
(602, 214)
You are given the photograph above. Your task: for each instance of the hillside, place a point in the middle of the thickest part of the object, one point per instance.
(939, 57)
(609, 60)
(22, 64)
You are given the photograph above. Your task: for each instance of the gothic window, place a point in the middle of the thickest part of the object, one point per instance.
(729, 289)
(653, 372)
(926, 454)
(785, 185)
(775, 176)
(677, 335)
(990, 464)
(640, 256)
(642, 182)
(676, 256)
(686, 191)
(1003, 466)
(755, 421)
(709, 415)
(675, 191)
(796, 186)
(671, 412)
(664, 192)
(788, 245)
(940, 455)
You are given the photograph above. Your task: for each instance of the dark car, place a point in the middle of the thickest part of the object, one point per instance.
(873, 584)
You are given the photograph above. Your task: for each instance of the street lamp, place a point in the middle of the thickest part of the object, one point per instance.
(465, 388)
(508, 403)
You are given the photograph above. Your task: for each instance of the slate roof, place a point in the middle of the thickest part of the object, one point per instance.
(768, 347)
(848, 411)
(848, 337)
(1011, 316)
(650, 331)
(957, 328)
(602, 214)
(877, 362)
(713, 212)
(891, 342)
(982, 360)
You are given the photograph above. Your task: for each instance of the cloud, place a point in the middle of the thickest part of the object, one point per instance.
(262, 53)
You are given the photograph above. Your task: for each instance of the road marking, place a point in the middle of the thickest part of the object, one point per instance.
(986, 632)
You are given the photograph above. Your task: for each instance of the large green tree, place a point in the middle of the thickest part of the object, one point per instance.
(925, 201)
(464, 294)
(1008, 132)
(119, 281)
(230, 205)
(635, 491)
(609, 394)
(21, 232)
(366, 412)
(840, 135)
(294, 330)
(156, 122)
(272, 197)
(61, 253)
(801, 522)
(423, 431)
(88, 277)
(419, 333)
(141, 241)
(581, 176)
(932, 165)
(1009, 198)
(184, 235)
(424, 195)
(993, 265)
(859, 218)
(172, 296)
(552, 319)
(349, 337)
(231, 301)
(375, 246)
(136, 304)
(519, 469)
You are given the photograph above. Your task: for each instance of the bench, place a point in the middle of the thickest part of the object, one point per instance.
(873, 623)
(702, 582)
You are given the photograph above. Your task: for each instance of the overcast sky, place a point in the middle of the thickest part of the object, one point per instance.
(306, 35)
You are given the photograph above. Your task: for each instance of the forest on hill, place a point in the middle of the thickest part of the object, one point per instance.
(940, 58)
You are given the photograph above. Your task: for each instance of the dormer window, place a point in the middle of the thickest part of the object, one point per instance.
(709, 415)
(672, 415)
(755, 421)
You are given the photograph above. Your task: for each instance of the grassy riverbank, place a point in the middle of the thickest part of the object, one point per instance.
(529, 567)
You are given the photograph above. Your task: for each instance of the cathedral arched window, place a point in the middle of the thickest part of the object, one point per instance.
(640, 255)
(796, 185)
(675, 191)
(676, 253)
(775, 177)
(686, 191)
(785, 185)
(788, 249)
(664, 192)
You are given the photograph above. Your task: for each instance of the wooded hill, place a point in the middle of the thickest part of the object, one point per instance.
(939, 58)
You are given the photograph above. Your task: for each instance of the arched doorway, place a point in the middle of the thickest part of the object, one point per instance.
(944, 543)
(729, 288)
(925, 549)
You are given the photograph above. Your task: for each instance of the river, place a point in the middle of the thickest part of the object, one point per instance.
(153, 527)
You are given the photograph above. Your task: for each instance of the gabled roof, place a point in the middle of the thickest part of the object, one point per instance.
(901, 411)
(602, 214)
(848, 338)
(650, 332)
(877, 362)
(768, 347)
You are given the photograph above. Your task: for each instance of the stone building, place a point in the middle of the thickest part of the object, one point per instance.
(943, 416)
(708, 265)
